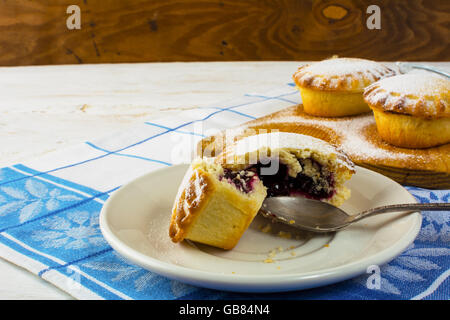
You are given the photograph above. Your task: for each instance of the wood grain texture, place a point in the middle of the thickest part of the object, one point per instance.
(357, 137)
(35, 32)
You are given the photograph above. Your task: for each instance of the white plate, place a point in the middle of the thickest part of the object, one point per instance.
(135, 222)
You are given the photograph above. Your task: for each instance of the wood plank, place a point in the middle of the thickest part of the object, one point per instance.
(35, 32)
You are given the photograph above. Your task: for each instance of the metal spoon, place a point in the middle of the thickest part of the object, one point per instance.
(318, 216)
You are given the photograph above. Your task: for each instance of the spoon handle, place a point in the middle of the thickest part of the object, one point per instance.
(402, 207)
(407, 66)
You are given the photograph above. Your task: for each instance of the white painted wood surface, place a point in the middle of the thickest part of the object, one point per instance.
(46, 108)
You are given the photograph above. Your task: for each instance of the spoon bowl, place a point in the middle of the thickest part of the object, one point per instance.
(318, 216)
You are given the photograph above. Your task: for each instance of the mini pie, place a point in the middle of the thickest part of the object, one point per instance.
(219, 197)
(411, 110)
(334, 87)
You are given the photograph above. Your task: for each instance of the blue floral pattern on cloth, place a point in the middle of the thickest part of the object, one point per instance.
(56, 219)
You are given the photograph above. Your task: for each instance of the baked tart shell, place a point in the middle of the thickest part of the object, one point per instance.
(407, 131)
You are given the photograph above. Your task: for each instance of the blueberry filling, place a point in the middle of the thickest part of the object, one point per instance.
(243, 180)
(314, 181)
(318, 185)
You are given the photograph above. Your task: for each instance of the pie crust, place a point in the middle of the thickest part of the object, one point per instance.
(411, 110)
(333, 87)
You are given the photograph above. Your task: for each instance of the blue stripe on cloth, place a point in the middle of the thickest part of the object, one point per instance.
(127, 155)
(132, 280)
(95, 254)
(179, 131)
(25, 251)
(54, 212)
(80, 279)
(234, 111)
(90, 285)
(53, 265)
(70, 184)
(277, 98)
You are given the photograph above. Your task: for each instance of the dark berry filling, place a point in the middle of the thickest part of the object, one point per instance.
(314, 181)
(282, 184)
(243, 180)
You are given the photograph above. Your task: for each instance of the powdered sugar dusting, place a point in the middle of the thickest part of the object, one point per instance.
(353, 141)
(343, 66)
(345, 73)
(418, 94)
(415, 84)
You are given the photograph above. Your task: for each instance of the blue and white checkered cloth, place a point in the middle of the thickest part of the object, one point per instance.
(49, 210)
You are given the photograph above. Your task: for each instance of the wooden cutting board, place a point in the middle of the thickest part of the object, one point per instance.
(357, 136)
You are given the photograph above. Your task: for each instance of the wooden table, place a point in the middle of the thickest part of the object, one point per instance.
(51, 107)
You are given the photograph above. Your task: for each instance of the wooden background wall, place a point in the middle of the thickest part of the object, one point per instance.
(35, 32)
